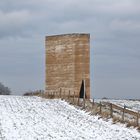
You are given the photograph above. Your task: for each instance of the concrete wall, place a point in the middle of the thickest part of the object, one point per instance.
(68, 62)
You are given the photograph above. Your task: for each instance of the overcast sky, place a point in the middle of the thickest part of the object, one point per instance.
(114, 26)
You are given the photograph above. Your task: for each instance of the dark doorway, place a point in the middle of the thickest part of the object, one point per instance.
(82, 90)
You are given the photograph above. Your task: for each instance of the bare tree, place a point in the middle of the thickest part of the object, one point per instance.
(4, 90)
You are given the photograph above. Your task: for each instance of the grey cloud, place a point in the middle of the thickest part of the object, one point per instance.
(126, 24)
(14, 23)
(71, 13)
(114, 28)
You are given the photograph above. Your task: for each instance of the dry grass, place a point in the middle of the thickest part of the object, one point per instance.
(131, 123)
(93, 109)
(138, 128)
(105, 114)
(116, 119)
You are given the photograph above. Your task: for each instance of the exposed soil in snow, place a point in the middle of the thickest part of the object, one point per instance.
(33, 118)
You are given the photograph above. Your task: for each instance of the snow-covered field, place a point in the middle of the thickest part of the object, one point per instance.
(33, 118)
(130, 104)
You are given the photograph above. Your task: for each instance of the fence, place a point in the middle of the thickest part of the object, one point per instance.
(105, 109)
(119, 113)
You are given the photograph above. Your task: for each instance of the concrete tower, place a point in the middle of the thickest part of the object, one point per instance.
(68, 62)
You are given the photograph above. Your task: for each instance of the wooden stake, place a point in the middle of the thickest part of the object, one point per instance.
(92, 103)
(123, 113)
(111, 110)
(73, 97)
(100, 108)
(78, 101)
(69, 94)
(138, 118)
(60, 93)
(64, 93)
(84, 103)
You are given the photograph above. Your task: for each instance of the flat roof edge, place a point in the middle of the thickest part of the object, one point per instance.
(70, 34)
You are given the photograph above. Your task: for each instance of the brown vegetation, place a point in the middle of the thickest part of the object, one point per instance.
(104, 109)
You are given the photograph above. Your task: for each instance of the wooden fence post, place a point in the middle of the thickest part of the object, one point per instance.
(123, 113)
(64, 94)
(60, 93)
(73, 97)
(100, 107)
(56, 94)
(48, 94)
(53, 95)
(138, 118)
(92, 103)
(84, 103)
(111, 110)
(69, 95)
(78, 100)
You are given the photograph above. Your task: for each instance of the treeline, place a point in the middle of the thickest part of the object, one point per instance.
(4, 90)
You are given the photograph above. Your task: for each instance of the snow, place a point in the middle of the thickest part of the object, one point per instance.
(130, 104)
(34, 118)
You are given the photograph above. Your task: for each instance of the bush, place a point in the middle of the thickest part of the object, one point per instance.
(4, 90)
(33, 93)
